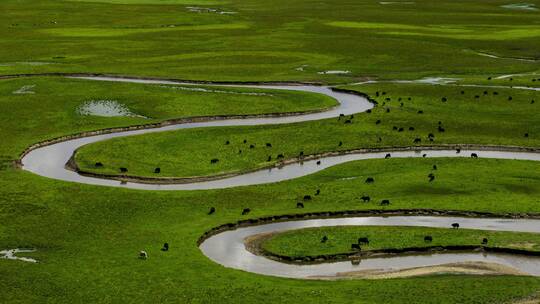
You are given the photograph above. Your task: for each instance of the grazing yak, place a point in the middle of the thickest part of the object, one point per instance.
(324, 239)
(214, 160)
(98, 165)
(157, 170)
(365, 198)
(387, 155)
(385, 202)
(474, 155)
(431, 177)
(428, 238)
(455, 225)
(318, 162)
(246, 211)
(370, 180)
(251, 146)
(165, 247)
(227, 142)
(299, 205)
(307, 197)
(123, 170)
(363, 240)
(484, 241)
(143, 255)
(417, 140)
(378, 121)
(268, 145)
(318, 192)
(355, 247)
(212, 210)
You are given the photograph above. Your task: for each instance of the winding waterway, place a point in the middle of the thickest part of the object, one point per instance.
(227, 248)
(50, 161)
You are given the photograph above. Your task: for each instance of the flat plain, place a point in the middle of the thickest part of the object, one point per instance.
(448, 73)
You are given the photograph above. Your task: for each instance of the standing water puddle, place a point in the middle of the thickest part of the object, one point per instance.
(521, 6)
(10, 255)
(105, 108)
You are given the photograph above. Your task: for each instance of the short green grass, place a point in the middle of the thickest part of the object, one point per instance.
(307, 242)
(58, 99)
(267, 40)
(488, 119)
(88, 237)
(34, 208)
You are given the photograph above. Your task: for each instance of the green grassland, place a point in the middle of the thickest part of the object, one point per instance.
(489, 119)
(267, 40)
(87, 237)
(307, 242)
(52, 109)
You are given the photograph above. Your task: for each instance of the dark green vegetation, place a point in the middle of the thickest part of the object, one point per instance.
(307, 242)
(465, 119)
(267, 40)
(88, 237)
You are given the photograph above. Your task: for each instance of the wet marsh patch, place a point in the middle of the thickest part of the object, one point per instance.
(521, 6)
(105, 108)
(26, 89)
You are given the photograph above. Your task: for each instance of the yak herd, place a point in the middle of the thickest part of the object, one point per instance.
(348, 120)
(362, 241)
